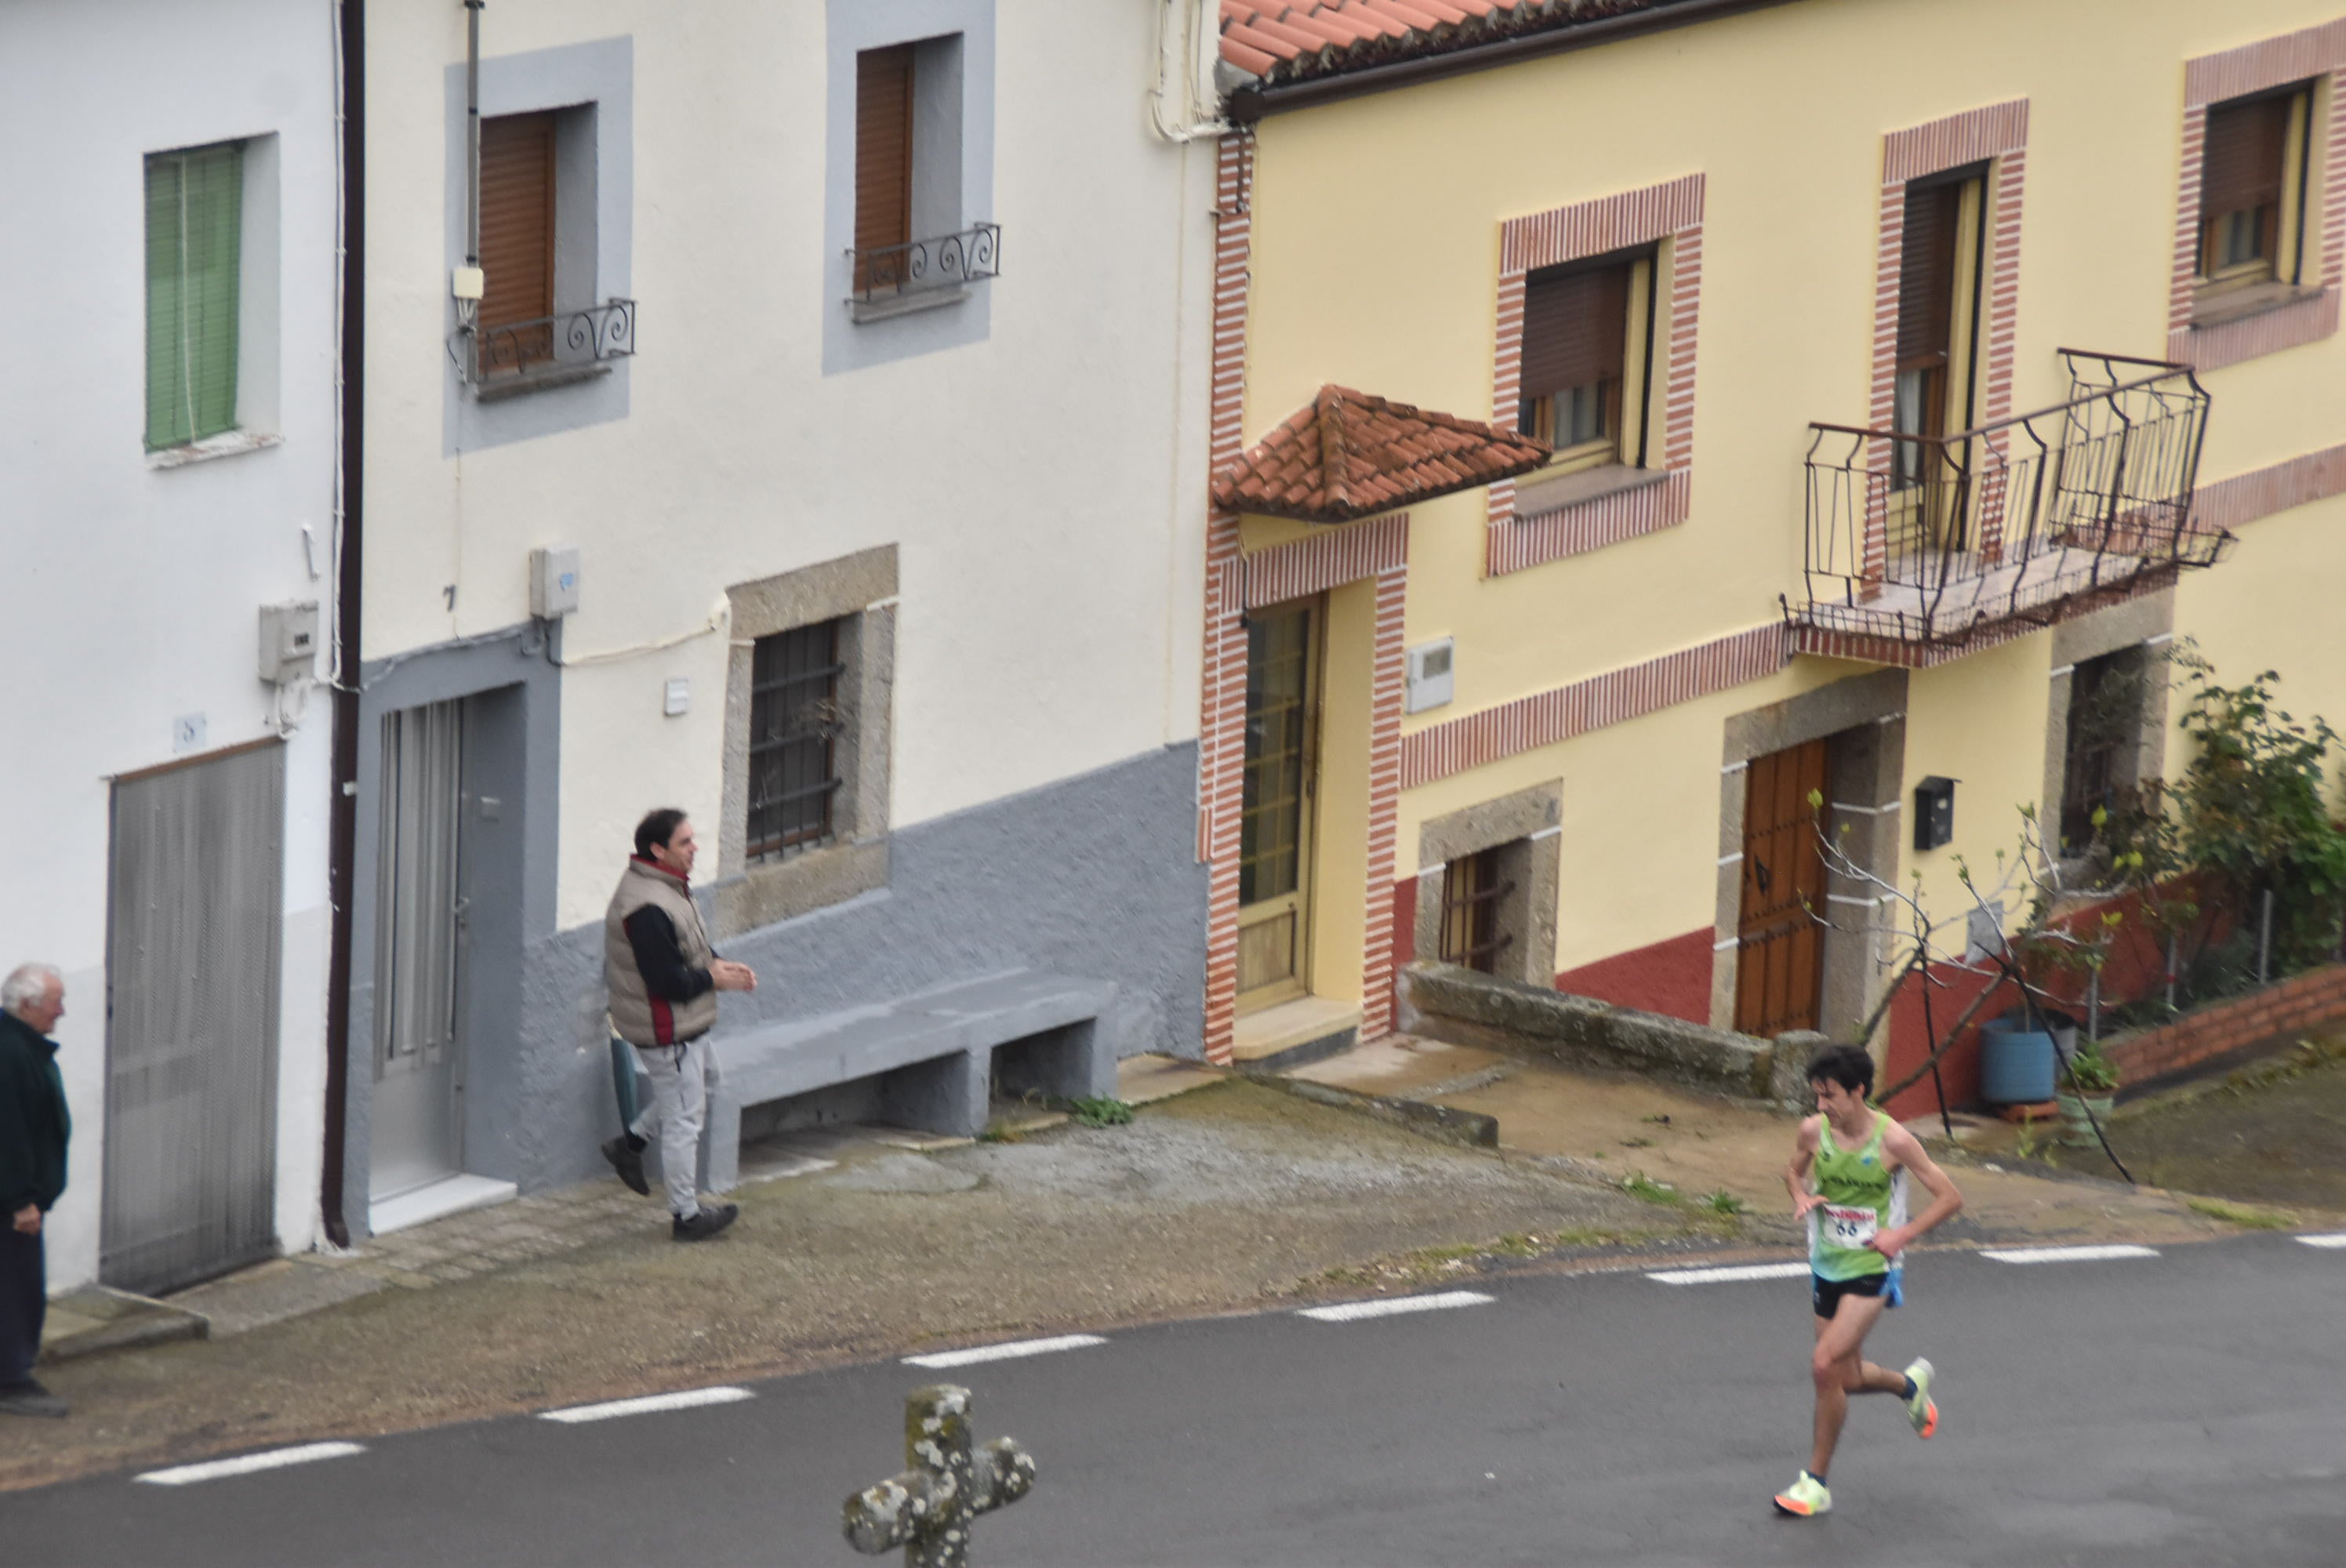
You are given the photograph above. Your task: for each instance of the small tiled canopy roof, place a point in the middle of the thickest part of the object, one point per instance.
(1291, 40)
(1351, 455)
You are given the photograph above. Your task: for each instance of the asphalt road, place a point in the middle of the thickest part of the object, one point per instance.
(2188, 1409)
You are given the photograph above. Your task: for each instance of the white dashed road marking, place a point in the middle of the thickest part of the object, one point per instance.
(1009, 1352)
(1354, 1311)
(2334, 1238)
(1730, 1273)
(2068, 1254)
(275, 1459)
(690, 1399)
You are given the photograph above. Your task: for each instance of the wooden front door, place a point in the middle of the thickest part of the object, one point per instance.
(1780, 941)
(1275, 812)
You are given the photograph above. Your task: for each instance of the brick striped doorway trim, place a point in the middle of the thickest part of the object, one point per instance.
(1376, 550)
(1998, 132)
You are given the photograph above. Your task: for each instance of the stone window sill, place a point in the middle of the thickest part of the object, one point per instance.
(504, 387)
(1589, 485)
(2240, 304)
(861, 311)
(227, 443)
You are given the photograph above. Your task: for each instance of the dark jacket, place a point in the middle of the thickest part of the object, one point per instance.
(34, 1126)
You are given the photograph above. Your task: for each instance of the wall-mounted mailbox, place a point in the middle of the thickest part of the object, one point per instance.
(1934, 812)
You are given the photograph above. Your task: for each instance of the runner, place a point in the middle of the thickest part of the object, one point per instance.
(1857, 1229)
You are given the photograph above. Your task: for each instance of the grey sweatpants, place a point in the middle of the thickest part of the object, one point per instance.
(681, 1076)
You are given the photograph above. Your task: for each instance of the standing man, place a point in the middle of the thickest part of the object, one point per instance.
(664, 978)
(34, 1128)
(1857, 1229)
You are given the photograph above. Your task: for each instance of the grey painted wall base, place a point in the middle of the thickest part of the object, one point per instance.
(1094, 877)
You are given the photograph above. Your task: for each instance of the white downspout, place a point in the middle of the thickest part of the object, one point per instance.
(1186, 103)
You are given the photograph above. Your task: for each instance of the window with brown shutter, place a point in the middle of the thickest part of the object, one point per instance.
(1938, 263)
(516, 240)
(2247, 202)
(884, 161)
(1577, 330)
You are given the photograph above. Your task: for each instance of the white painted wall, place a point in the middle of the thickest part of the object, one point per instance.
(132, 591)
(1044, 484)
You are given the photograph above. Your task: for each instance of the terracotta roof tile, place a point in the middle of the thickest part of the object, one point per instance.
(1293, 40)
(1349, 455)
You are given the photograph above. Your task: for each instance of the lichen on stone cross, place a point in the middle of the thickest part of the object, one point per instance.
(928, 1508)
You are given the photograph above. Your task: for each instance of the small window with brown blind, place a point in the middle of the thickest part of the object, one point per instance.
(517, 242)
(1585, 366)
(2252, 191)
(883, 164)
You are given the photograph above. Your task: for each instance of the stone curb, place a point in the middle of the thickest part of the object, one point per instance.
(1467, 1129)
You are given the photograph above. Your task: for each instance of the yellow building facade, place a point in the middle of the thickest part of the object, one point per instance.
(1900, 372)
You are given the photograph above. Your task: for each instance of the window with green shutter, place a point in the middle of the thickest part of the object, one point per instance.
(195, 215)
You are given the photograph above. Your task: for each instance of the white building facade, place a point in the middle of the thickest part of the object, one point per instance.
(167, 499)
(808, 436)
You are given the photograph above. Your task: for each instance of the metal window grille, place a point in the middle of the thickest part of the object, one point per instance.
(1471, 890)
(795, 725)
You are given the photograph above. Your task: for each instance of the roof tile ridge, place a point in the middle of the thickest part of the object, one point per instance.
(1335, 444)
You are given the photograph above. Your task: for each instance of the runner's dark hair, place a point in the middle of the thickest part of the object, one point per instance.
(656, 828)
(1848, 1066)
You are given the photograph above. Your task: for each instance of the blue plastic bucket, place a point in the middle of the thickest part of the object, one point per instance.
(2017, 1063)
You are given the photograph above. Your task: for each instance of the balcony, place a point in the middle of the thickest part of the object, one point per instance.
(1922, 548)
(551, 351)
(890, 280)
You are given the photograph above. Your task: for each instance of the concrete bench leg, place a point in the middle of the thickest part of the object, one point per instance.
(1073, 1063)
(946, 1095)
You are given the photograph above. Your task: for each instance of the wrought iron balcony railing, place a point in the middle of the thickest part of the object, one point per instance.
(1920, 545)
(564, 343)
(887, 273)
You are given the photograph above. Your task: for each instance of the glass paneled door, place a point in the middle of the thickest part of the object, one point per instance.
(1275, 812)
(420, 928)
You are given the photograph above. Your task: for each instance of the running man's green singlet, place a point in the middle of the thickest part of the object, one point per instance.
(1861, 1199)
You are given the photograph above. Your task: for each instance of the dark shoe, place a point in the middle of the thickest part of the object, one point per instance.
(705, 1224)
(628, 1163)
(29, 1398)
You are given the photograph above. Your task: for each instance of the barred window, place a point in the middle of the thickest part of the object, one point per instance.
(795, 726)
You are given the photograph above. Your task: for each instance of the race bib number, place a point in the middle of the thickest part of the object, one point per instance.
(1849, 1227)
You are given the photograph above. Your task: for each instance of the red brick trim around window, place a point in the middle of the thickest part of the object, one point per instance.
(1670, 211)
(1545, 718)
(1997, 132)
(2302, 55)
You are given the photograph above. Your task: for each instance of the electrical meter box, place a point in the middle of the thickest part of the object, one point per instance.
(553, 581)
(288, 642)
(1429, 680)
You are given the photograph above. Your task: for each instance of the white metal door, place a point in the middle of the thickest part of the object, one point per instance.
(416, 1110)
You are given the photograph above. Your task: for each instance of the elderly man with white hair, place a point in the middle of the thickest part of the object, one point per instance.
(34, 1128)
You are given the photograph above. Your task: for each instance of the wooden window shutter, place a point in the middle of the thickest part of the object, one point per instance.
(2240, 169)
(1574, 331)
(195, 224)
(1927, 274)
(517, 219)
(883, 146)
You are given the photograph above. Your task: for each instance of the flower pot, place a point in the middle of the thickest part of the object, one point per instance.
(2016, 1062)
(2076, 1130)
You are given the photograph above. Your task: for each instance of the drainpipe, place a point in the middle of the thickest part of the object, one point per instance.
(473, 132)
(344, 819)
(1183, 102)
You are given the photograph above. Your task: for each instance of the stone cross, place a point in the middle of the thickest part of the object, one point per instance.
(928, 1509)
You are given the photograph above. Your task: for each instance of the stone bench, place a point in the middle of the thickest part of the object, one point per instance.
(938, 1055)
